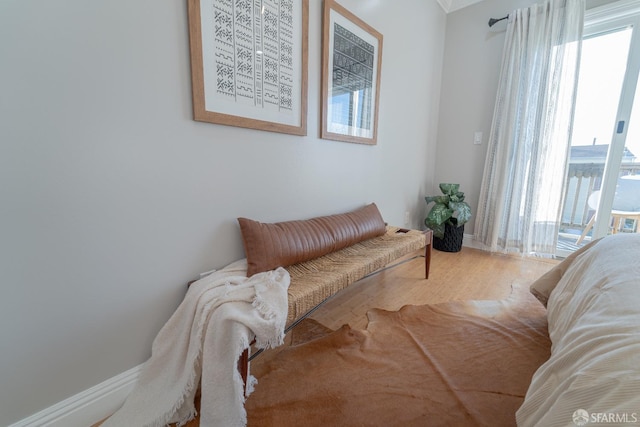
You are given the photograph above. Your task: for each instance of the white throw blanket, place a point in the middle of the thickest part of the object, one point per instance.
(202, 342)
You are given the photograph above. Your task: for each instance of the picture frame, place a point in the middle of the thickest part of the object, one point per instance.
(351, 64)
(249, 63)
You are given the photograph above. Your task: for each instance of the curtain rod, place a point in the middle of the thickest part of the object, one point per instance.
(492, 21)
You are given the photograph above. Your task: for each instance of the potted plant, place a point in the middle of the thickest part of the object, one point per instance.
(447, 218)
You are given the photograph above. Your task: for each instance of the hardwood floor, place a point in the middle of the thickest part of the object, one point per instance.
(468, 274)
(464, 275)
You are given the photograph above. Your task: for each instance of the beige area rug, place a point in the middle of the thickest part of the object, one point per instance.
(461, 363)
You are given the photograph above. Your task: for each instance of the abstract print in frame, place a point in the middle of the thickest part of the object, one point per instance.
(249, 63)
(351, 61)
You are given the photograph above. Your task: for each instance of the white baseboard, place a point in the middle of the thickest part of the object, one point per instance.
(469, 242)
(88, 407)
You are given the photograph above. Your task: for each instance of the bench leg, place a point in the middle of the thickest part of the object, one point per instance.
(427, 252)
(243, 368)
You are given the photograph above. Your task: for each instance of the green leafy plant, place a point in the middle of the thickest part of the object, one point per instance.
(450, 203)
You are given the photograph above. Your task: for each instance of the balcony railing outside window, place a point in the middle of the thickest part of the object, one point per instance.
(583, 180)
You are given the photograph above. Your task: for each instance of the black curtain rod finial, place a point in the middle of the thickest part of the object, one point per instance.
(493, 21)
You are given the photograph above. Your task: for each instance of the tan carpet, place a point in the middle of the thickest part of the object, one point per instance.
(460, 363)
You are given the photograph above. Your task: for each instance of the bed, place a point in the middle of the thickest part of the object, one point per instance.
(593, 313)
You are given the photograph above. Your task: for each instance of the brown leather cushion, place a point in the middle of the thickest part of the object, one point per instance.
(268, 246)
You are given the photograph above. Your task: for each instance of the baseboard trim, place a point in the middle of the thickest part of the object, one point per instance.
(88, 407)
(469, 242)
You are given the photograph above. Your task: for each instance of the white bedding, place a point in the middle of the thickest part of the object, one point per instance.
(594, 325)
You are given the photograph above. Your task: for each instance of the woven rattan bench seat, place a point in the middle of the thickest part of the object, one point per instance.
(312, 282)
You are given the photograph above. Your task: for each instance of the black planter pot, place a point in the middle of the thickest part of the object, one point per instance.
(452, 240)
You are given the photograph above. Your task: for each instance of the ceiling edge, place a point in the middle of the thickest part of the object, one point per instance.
(460, 4)
(445, 5)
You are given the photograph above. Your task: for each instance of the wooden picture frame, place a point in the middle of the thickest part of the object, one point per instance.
(351, 62)
(249, 63)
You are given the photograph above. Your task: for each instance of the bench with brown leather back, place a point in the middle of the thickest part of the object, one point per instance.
(324, 255)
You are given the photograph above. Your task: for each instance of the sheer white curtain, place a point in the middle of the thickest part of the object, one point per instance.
(521, 196)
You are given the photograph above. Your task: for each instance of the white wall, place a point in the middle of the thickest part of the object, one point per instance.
(112, 198)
